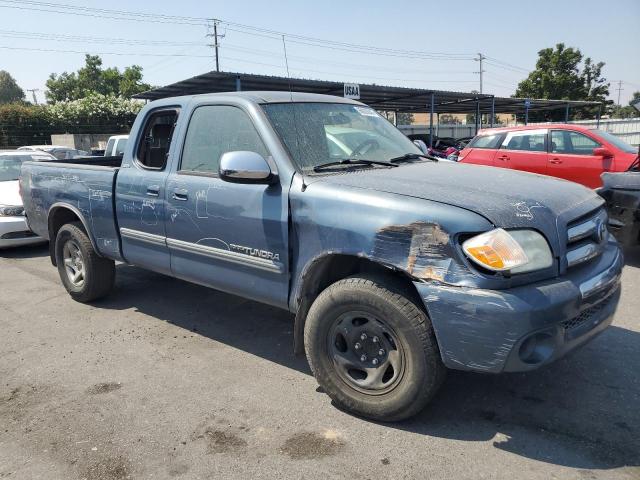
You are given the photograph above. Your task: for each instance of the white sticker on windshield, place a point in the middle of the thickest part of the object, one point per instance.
(369, 112)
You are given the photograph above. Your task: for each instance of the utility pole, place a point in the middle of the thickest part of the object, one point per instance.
(215, 43)
(620, 82)
(33, 93)
(480, 58)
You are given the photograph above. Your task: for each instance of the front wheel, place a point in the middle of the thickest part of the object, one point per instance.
(84, 274)
(372, 349)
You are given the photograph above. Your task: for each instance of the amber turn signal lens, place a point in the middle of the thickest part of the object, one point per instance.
(495, 250)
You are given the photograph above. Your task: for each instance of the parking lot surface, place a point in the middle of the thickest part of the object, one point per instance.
(165, 379)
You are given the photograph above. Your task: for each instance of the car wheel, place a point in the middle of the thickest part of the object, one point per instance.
(84, 274)
(372, 349)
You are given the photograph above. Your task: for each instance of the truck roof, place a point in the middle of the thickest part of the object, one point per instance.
(266, 97)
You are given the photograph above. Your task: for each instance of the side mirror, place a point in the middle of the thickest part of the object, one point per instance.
(245, 167)
(602, 152)
(422, 146)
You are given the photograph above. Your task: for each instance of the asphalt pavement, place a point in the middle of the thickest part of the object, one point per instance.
(165, 379)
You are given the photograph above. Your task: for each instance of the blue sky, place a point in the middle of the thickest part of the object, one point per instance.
(509, 32)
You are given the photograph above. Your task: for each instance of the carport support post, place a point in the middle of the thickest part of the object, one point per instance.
(599, 114)
(431, 109)
(526, 113)
(238, 85)
(493, 111)
(478, 122)
(566, 114)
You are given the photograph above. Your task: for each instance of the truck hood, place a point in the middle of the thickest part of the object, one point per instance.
(10, 193)
(507, 198)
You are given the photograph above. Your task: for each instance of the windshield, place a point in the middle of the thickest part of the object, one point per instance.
(318, 133)
(10, 164)
(616, 141)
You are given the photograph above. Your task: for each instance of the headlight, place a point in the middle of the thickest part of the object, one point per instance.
(516, 251)
(11, 211)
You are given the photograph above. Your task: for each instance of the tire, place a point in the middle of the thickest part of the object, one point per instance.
(379, 308)
(98, 273)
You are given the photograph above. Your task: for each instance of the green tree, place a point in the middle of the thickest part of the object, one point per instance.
(628, 111)
(563, 73)
(92, 78)
(448, 119)
(405, 118)
(9, 90)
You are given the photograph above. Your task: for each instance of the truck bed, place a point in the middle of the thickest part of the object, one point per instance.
(84, 186)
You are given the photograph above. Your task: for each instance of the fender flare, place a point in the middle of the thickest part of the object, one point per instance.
(77, 213)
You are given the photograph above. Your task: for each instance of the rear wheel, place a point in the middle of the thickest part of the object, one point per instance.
(372, 349)
(84, 274)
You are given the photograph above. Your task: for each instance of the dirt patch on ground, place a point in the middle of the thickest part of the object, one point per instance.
(223, 442)
(312, 445)
(100, 388)
(110, 468)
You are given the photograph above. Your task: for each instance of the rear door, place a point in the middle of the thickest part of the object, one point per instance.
(571, 157)
(482, 149)
(232, 237)
(140, 193)
(524, 150)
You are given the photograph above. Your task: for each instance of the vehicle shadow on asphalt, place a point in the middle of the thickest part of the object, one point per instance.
(581, 412)
(632, 256)
(28, 251)
(240, 323)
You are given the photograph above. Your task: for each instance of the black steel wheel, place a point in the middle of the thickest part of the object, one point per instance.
(372, 348)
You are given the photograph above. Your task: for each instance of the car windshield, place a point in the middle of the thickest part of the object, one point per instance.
(615, 141)
(10, 164)
(319, 133)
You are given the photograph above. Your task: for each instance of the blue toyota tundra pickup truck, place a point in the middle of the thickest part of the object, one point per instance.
(396, 267)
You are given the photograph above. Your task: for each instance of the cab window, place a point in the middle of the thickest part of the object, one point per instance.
(214, 130)
(156, 139)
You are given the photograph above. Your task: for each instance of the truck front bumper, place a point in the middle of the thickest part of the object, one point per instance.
(14, 232)
(526, 327)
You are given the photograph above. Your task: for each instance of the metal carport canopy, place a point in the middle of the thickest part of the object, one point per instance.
(401, 99)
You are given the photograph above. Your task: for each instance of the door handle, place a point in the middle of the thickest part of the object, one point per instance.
(153, 190)
(555, 161)
(181, 194)
(504, 158)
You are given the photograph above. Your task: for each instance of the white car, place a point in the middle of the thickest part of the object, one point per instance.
(59, 151)
(115, 145)
(13, 225)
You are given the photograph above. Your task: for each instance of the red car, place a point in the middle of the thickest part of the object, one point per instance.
(572, 152)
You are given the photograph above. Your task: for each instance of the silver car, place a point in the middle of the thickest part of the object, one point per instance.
(13, 225)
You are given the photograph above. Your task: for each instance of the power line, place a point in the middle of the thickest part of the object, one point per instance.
(140, 16)
(157, 18)
(92, 39)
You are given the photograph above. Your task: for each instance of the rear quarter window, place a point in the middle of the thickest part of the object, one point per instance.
(486, 141)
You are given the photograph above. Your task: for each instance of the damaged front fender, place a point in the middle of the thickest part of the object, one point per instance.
(415, 236)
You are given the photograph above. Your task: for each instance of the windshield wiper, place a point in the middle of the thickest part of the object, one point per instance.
(412, 156)
(352, 161)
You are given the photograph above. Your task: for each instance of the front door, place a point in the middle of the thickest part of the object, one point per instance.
(571, 157)
(232, 237)
(140, 194)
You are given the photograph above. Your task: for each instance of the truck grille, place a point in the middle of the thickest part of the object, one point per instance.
(586, 237)
(586, 314)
